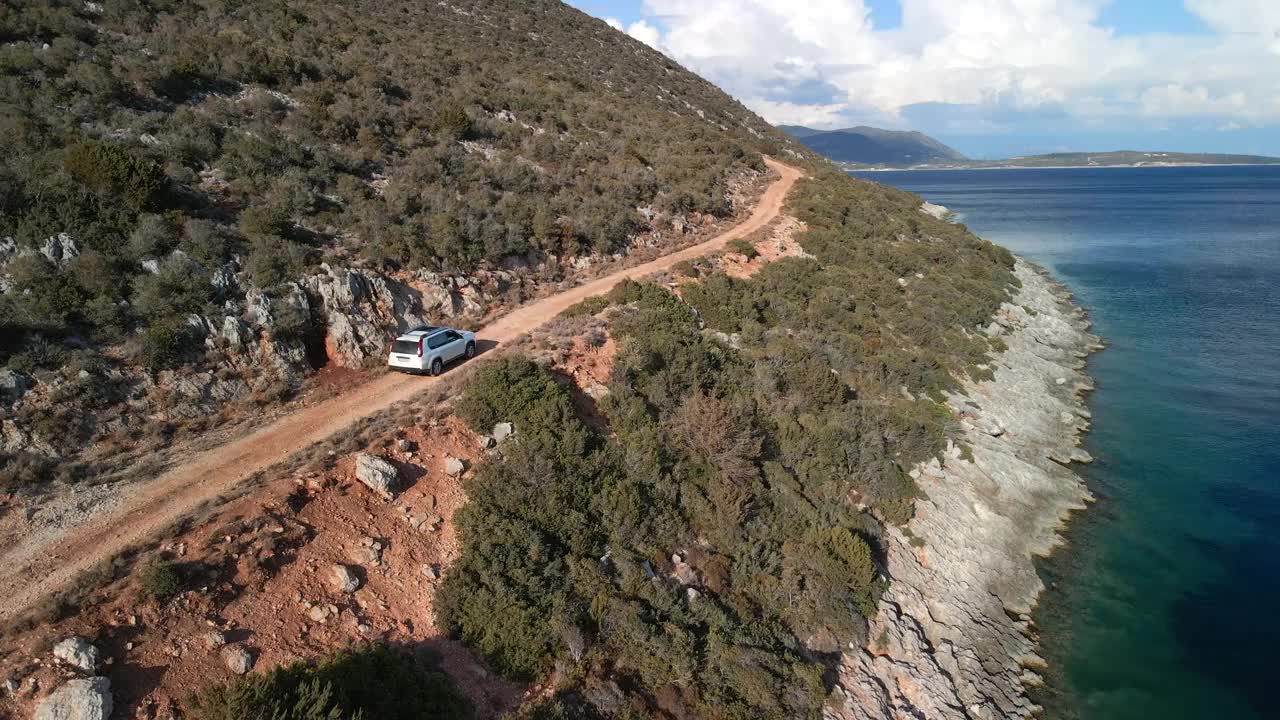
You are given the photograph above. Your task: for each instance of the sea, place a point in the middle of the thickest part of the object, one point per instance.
(1165, 602)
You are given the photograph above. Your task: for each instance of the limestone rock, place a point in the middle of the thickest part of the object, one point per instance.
(454, 467)
(366, 552)
(358, 306)
(377, 474)
(502, 431)
(78, 653)
(13, 385)
(237, 658)
(215, 639)
(946, 638)
(59, 249)
(79, 699)
(345, 579)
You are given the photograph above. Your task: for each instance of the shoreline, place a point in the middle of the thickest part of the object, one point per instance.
(954, 634)
(1129, 166)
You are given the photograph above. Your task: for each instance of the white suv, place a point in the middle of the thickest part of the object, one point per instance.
(429, 349)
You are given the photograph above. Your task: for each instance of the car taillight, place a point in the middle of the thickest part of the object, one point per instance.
(420, 348)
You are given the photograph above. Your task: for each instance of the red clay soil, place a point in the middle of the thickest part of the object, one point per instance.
(33, 573)
(779, 242)
(263, 569)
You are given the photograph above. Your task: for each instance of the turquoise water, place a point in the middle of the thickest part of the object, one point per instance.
(1166, 602)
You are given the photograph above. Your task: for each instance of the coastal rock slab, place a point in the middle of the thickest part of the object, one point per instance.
(948, 640)
(79, 699)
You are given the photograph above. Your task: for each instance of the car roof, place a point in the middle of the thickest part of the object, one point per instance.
(422, 331)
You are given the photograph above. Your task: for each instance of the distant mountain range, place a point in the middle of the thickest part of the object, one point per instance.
(867, 147)
(864, 145)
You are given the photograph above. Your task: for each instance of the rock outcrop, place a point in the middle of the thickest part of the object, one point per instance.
(953, 637)
(79, 699)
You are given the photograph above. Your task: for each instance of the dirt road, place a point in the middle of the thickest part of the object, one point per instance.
(33, 573)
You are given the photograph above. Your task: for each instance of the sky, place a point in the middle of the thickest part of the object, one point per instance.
(991, 78)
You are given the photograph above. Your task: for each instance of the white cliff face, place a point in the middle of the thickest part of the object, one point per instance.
(952, 638)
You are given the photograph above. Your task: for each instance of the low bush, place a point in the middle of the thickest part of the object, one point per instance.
(366, 683)
(160, 580)
(745, 248)
(162, 346)
(113, 171)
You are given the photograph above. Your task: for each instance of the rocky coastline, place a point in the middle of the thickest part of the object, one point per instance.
(953, 636)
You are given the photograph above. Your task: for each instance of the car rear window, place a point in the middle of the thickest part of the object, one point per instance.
(405, 347)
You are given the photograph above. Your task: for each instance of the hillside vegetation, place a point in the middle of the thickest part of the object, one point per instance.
(170, 160)
(711, 555)
(703, 547)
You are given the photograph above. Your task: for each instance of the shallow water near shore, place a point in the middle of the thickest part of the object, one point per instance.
(1164, 603)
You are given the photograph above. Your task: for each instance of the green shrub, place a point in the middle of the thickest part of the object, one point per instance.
(274, 261)
(590, 306)
(366, 683)
(160, 580)
(745, 248)
(111, 170)
(503, 391)
(451, 122)
(162, 346)
(179, 288)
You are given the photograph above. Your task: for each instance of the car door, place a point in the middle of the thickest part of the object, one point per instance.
(438, 345)
(454, 346)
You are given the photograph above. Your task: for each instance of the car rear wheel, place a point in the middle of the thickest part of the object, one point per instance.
(437, 367)
(471, 350)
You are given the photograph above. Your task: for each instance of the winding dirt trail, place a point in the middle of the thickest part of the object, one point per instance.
(32, 573)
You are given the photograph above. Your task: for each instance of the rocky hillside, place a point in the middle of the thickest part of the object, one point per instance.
(201, 203)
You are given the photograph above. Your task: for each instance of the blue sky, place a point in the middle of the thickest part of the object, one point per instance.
(989, 77)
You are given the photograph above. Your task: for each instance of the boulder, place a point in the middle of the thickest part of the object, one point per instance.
(454, 467)
(237, 658)
(214, 640)
(59, 249)
(487, 442)
(367, 552)
(79, 699)
(13, 385)
(345, 579)
(377, 474)
(502, 431)
(78, 653)
(235, 332)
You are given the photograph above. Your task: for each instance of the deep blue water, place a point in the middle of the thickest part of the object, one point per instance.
(1166, 601)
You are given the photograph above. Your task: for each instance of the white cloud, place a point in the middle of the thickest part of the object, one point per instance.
(786, 113)
(640, 30)
(646, 33)
(824, 60)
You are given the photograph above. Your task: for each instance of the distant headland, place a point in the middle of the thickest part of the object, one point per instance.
(866, 148)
